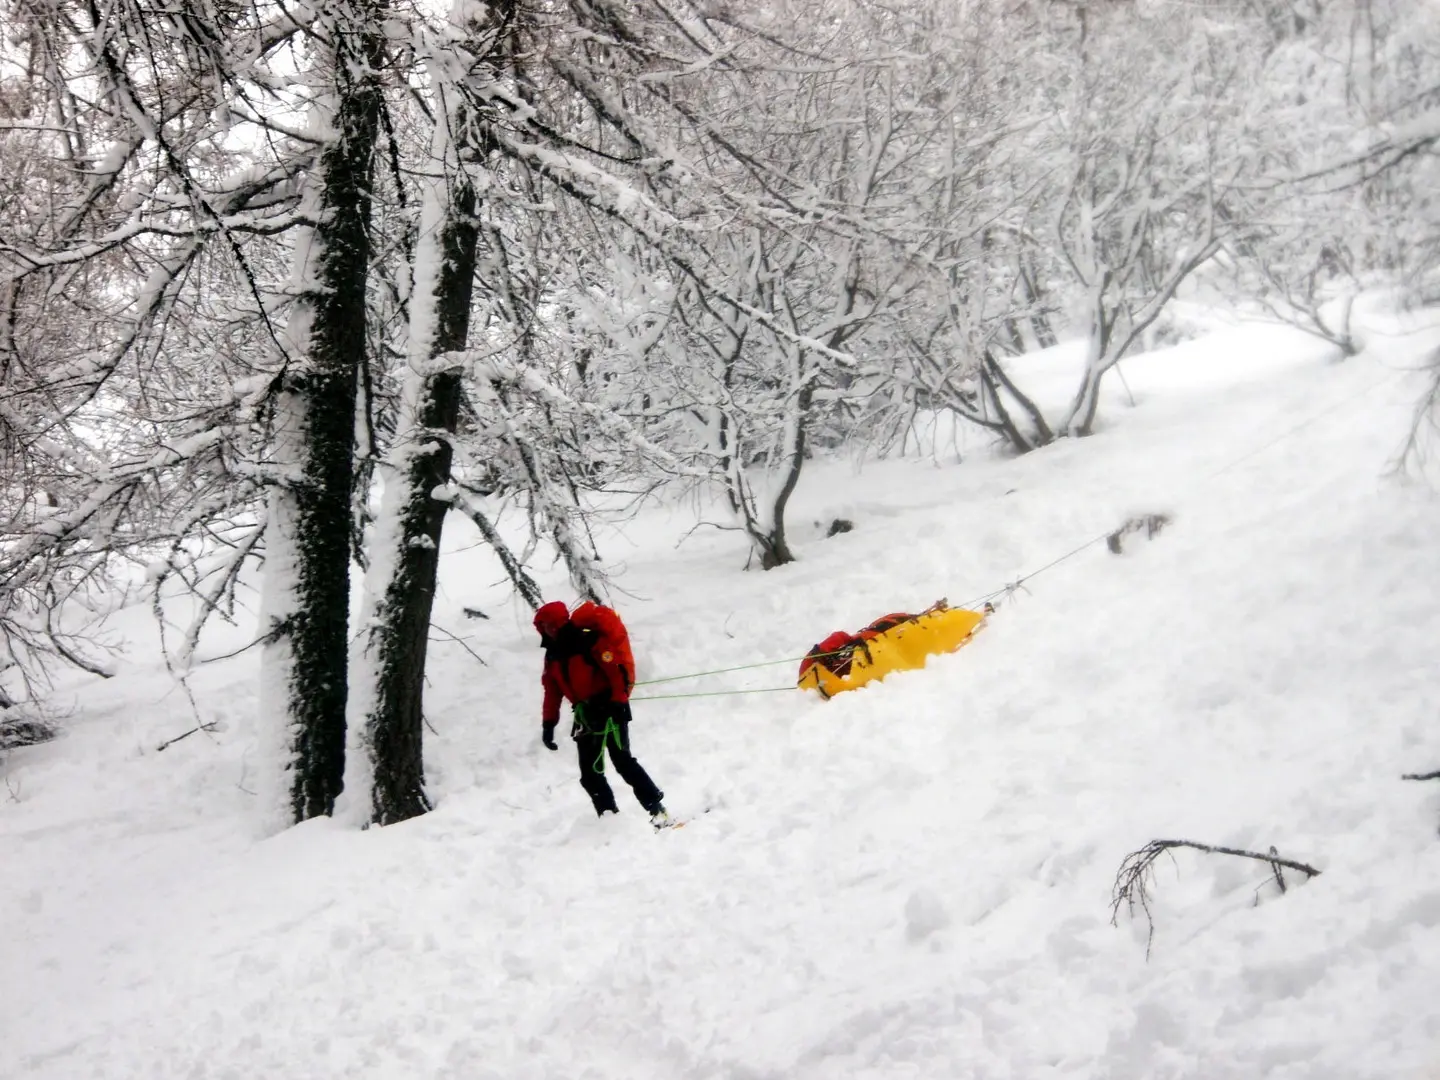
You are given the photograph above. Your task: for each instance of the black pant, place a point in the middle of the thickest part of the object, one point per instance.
(606, 726)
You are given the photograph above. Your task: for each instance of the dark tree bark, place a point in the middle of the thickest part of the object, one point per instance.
(994, 378)
(397, 722)
(316, 629)
(774, 548)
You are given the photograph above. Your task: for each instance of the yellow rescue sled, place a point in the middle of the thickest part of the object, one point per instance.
(896, 642)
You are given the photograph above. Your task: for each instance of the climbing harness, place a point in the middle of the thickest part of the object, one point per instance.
(611, 728)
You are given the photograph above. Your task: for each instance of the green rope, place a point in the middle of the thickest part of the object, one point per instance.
(610, 727)
(745, 667)
(771, 663)
(737, 667)
(715, 693)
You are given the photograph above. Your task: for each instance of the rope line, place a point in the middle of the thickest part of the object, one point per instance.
(1012, 587)
(716, 693)
(1302, 425)
(1006, 590)
(721, 671)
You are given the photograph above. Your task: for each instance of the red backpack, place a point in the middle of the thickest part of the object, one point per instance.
(612, 639)
(837, 651)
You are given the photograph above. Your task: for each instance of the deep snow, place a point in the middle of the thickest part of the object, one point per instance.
(912, 880)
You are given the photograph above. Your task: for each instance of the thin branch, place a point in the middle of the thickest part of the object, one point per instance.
(1136, 871)
(461, 642)
(211, 726)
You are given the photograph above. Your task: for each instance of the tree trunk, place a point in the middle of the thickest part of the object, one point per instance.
(1080, 419)
(408, 539)
(307, 588)
(774, 548)
(1100, 357)
(401, 586)
(994, 378)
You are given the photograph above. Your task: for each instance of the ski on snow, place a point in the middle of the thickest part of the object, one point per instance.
(669, 822)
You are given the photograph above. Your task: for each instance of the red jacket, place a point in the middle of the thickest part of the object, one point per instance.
(587, 656)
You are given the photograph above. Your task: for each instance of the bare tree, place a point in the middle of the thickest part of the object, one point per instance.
(797, 244)
(124, 211)
(306, 597)
(405, 549)
(1143, 176)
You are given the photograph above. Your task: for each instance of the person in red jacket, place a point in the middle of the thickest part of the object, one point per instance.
(588, 663)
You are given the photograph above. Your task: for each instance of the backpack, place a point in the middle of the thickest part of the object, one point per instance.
(837, 651)
(611, 639)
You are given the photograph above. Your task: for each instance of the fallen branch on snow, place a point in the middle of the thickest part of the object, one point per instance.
(461, 642)
(17, 731)
(1149, 524)
(213, 725)
(1421, 775)
(1131, 880)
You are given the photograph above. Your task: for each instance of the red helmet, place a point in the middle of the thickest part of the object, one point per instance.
(551, 617)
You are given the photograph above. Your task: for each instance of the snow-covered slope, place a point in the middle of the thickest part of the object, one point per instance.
(912, 880)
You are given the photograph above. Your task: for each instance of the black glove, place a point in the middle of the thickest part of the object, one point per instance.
(547, 734)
